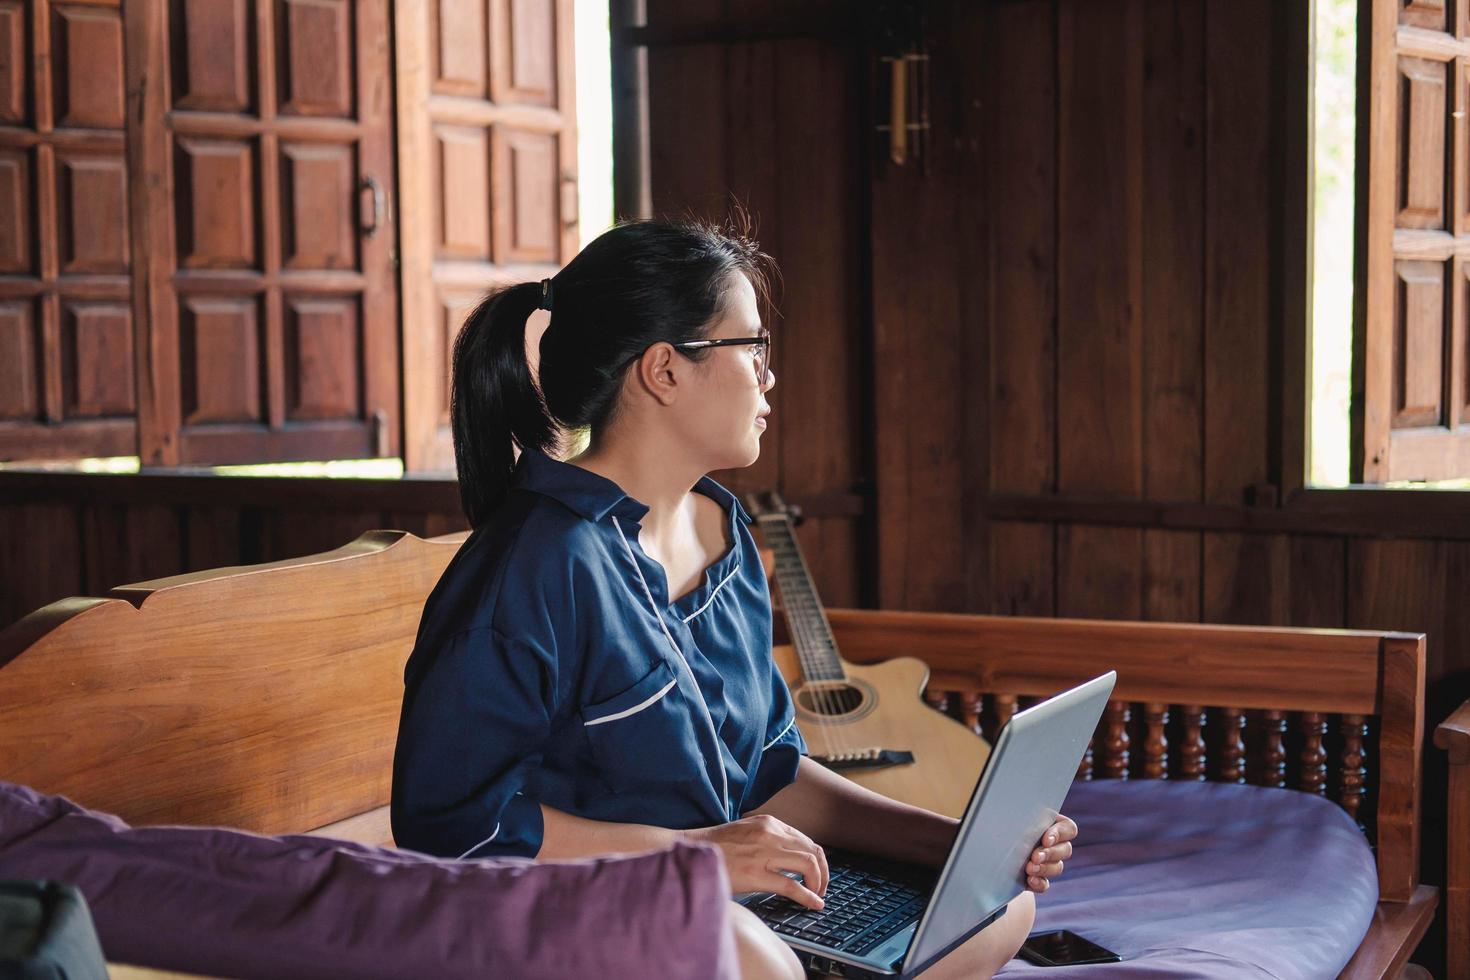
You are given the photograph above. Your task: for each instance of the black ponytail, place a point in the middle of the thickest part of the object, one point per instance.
(493, 400)
(636, 284)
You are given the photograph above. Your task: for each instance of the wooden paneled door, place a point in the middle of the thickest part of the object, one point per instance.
(260, 138)
(488, 180)
(65, 253)
(1411, 405)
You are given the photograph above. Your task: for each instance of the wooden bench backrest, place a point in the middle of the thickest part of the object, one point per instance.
(264, 697)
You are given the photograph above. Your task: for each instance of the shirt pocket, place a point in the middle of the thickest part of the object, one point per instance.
(644, 734)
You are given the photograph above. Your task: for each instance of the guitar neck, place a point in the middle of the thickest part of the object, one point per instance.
(810, 633)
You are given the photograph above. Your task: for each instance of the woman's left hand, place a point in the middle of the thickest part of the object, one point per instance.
(1046, 861)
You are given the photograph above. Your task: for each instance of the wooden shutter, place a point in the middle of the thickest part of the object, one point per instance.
(487, 157)
(1411, 420)
(263, 175)
(66, 330)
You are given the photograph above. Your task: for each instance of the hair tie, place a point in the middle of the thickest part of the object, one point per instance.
(545, 303)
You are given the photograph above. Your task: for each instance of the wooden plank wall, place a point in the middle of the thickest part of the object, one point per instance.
(773, 125)
(1083, 318)
(64, 534)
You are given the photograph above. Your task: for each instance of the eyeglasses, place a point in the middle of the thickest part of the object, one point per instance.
(762, 355)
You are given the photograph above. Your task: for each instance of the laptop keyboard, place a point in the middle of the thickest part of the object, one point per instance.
(861, 911)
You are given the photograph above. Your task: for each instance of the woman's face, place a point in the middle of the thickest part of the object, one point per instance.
(725, 419)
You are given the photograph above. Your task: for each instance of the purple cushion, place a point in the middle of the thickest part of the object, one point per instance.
(231, 903)
(1209, 880)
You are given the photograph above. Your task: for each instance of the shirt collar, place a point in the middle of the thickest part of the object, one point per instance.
(594, 496)
(726, 499)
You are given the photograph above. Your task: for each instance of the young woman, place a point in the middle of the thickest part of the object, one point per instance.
(592, 673)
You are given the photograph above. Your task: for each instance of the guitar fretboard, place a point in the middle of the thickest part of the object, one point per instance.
(810, 632)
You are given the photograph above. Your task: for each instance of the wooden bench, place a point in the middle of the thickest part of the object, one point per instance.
(266, 697)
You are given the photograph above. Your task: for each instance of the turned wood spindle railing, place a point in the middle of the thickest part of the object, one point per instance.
(970, 710)
(1312, 775)
(1115, 740)
(1232, 745)
(1273, 757)
(1155, 741)
(1192, 748)
(1190, 757)
(941, 701)
(1354, 773)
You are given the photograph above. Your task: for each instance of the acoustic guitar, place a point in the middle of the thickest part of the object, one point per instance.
(868, 722)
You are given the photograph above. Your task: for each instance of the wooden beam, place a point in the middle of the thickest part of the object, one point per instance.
(1362, 513)
(632, 194)
(1293, 299)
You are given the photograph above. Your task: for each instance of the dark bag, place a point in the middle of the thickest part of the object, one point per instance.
(46, 933)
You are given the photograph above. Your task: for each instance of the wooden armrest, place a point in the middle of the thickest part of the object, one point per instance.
(1453, 735)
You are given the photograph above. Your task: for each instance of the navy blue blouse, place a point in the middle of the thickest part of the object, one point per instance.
(550, 667)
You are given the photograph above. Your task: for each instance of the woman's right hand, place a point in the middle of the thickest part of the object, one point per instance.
(758, 848)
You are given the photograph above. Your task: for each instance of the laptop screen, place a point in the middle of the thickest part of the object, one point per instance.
(1018, 796)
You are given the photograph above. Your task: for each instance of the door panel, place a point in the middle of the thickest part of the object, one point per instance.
(273, 305)
(1409, 356)
(487, 145)
(66, 323)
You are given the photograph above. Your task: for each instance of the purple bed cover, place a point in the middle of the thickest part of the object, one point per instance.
(1209, 880)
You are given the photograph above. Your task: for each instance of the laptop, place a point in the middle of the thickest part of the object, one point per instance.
(887, 919)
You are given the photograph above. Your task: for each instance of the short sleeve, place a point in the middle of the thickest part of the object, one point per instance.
(782, 750)
(475, 720)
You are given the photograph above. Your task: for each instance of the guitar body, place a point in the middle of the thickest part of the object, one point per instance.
(882, 706)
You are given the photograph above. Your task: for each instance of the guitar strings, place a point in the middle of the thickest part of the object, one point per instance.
(816, 675)
(794, 598)
(811, 636)
(802, 622)
(817, 634)
(782, 532)
(802, 635)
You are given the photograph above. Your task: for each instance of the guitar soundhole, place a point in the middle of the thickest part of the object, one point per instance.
(835, 700)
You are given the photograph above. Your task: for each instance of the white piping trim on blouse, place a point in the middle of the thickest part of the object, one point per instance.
(708, 718)
(713, 594)
(783, 733)
(633, 710)
(480, 845)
